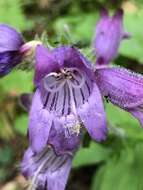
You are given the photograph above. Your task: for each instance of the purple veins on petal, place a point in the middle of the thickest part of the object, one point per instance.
(66, 93)
(123, 88)
(63, 92)
(46, 170)
(47, 162)
(109, 33)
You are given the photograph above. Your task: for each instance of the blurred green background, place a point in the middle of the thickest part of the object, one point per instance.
(116, 164)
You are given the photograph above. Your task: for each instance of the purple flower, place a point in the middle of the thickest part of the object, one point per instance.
(67, 97)
(13, 50)
(109, 33)
(10, 43)
(123, 88)
(46, 169)
(49, 168)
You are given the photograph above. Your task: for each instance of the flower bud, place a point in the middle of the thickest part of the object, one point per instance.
(109, 33)
(28, 48)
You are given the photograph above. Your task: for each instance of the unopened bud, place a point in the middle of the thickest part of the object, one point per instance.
(28, 49)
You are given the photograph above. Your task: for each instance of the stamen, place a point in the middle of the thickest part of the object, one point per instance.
(72, 102)
(76, 77)
(74, 126)
(56, 85)
(81, 83)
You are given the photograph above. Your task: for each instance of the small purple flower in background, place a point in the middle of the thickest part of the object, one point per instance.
(109, 33)
(13, 49)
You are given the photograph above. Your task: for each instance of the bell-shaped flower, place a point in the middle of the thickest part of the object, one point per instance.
(67, 97)
(123, 88)
(109, 34)
(49, 169)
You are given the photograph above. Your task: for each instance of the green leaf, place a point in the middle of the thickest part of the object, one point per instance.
(21, 124)
(124, 122)
(133, 47)
(6, 131)
(11, 13)
(81, 26)
(18, 81)
(122, 173)
(91, 155)
(6, 155)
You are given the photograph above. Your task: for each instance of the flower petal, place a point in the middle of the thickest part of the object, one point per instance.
(10, 39)
(62, 143)
(58, 179)
(93, 116)
(46, 169)
(123, 88)
(45, 63)
(8, 60)
(69, 56)
(52, 61)
(40, 122)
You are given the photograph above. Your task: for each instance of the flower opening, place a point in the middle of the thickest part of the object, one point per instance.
(63, 93)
